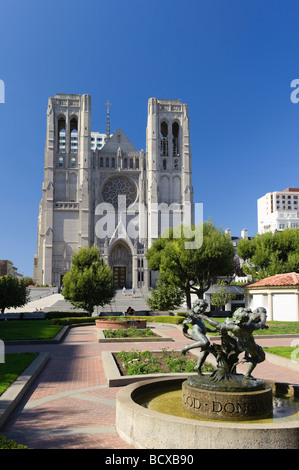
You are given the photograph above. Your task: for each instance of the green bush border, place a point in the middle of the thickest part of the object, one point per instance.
(77, 320)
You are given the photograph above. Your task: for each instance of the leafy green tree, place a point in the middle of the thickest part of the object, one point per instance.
(13, 293)
(192, 270)
(270, 253)
(165, 297)
(222, 296)
(89, 283)
(28, 281)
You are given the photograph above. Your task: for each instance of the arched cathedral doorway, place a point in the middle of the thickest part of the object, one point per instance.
(120, 262)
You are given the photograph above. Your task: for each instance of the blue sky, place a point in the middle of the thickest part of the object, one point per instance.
(231, 61)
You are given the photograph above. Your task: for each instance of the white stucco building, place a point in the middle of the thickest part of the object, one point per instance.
(85, 172)
(278, 210)
(278, 294)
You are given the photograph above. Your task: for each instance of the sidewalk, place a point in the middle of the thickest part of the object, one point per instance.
(70, 406)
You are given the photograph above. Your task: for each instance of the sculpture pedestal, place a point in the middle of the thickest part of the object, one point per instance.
(239, 399)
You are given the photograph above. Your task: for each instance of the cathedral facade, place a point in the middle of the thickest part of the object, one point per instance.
(111, 195)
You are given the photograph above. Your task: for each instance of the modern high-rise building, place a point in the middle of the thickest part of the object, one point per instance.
(278, 210)
(99, 190)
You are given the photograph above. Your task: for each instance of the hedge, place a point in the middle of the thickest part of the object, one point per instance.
(77, 320)
(50, 315)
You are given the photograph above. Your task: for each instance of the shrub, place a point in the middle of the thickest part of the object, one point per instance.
(168, 319)
(9, 444)
(129, 332)
(50, 315)
(72, 320)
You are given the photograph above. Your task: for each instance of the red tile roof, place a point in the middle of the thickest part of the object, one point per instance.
(288, 279)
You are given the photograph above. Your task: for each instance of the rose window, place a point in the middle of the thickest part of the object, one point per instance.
(119, 186)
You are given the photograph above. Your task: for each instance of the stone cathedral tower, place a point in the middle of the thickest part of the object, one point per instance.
(110, 195)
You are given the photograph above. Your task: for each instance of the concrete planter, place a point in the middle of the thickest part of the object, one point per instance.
(115, 324)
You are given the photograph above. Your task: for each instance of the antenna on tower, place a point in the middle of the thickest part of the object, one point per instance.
(108, 121)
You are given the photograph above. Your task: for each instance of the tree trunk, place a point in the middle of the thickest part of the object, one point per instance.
(188, 297)
(90, 309)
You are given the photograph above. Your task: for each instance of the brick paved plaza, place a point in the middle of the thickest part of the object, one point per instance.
(70, 406)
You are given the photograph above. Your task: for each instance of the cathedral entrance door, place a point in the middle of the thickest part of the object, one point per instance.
(120, 262)
(119, 276)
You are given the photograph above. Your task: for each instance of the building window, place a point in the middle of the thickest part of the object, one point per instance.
(61, 134)
(74, 134)
(164, 139)
(60, 161)
(73, 161)
(175, 139)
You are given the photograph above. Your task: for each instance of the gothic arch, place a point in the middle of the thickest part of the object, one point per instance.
(164, 189)
(61, 132)
(60, 186)
(176, 189)
(175, 131)
(120, 260)
(73, 187)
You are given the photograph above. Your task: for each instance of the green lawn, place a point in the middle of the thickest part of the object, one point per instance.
(288, 352)
(28, 329)
(275, 327)
(13, 366)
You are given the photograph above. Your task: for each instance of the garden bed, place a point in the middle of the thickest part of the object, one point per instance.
(131, 334)
(107, 324)
(155, 362)
(116, 373)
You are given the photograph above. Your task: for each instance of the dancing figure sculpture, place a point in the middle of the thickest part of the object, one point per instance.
(198, 334)
(238, 333)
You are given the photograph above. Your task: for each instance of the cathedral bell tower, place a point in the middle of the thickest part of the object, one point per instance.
(64, 215)
(169, 173)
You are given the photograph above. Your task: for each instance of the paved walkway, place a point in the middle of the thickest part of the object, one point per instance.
(70, 405)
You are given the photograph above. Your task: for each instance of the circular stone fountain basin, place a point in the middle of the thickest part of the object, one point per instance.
(145, 428)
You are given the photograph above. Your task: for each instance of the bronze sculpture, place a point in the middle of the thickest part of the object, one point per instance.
(236, 337)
